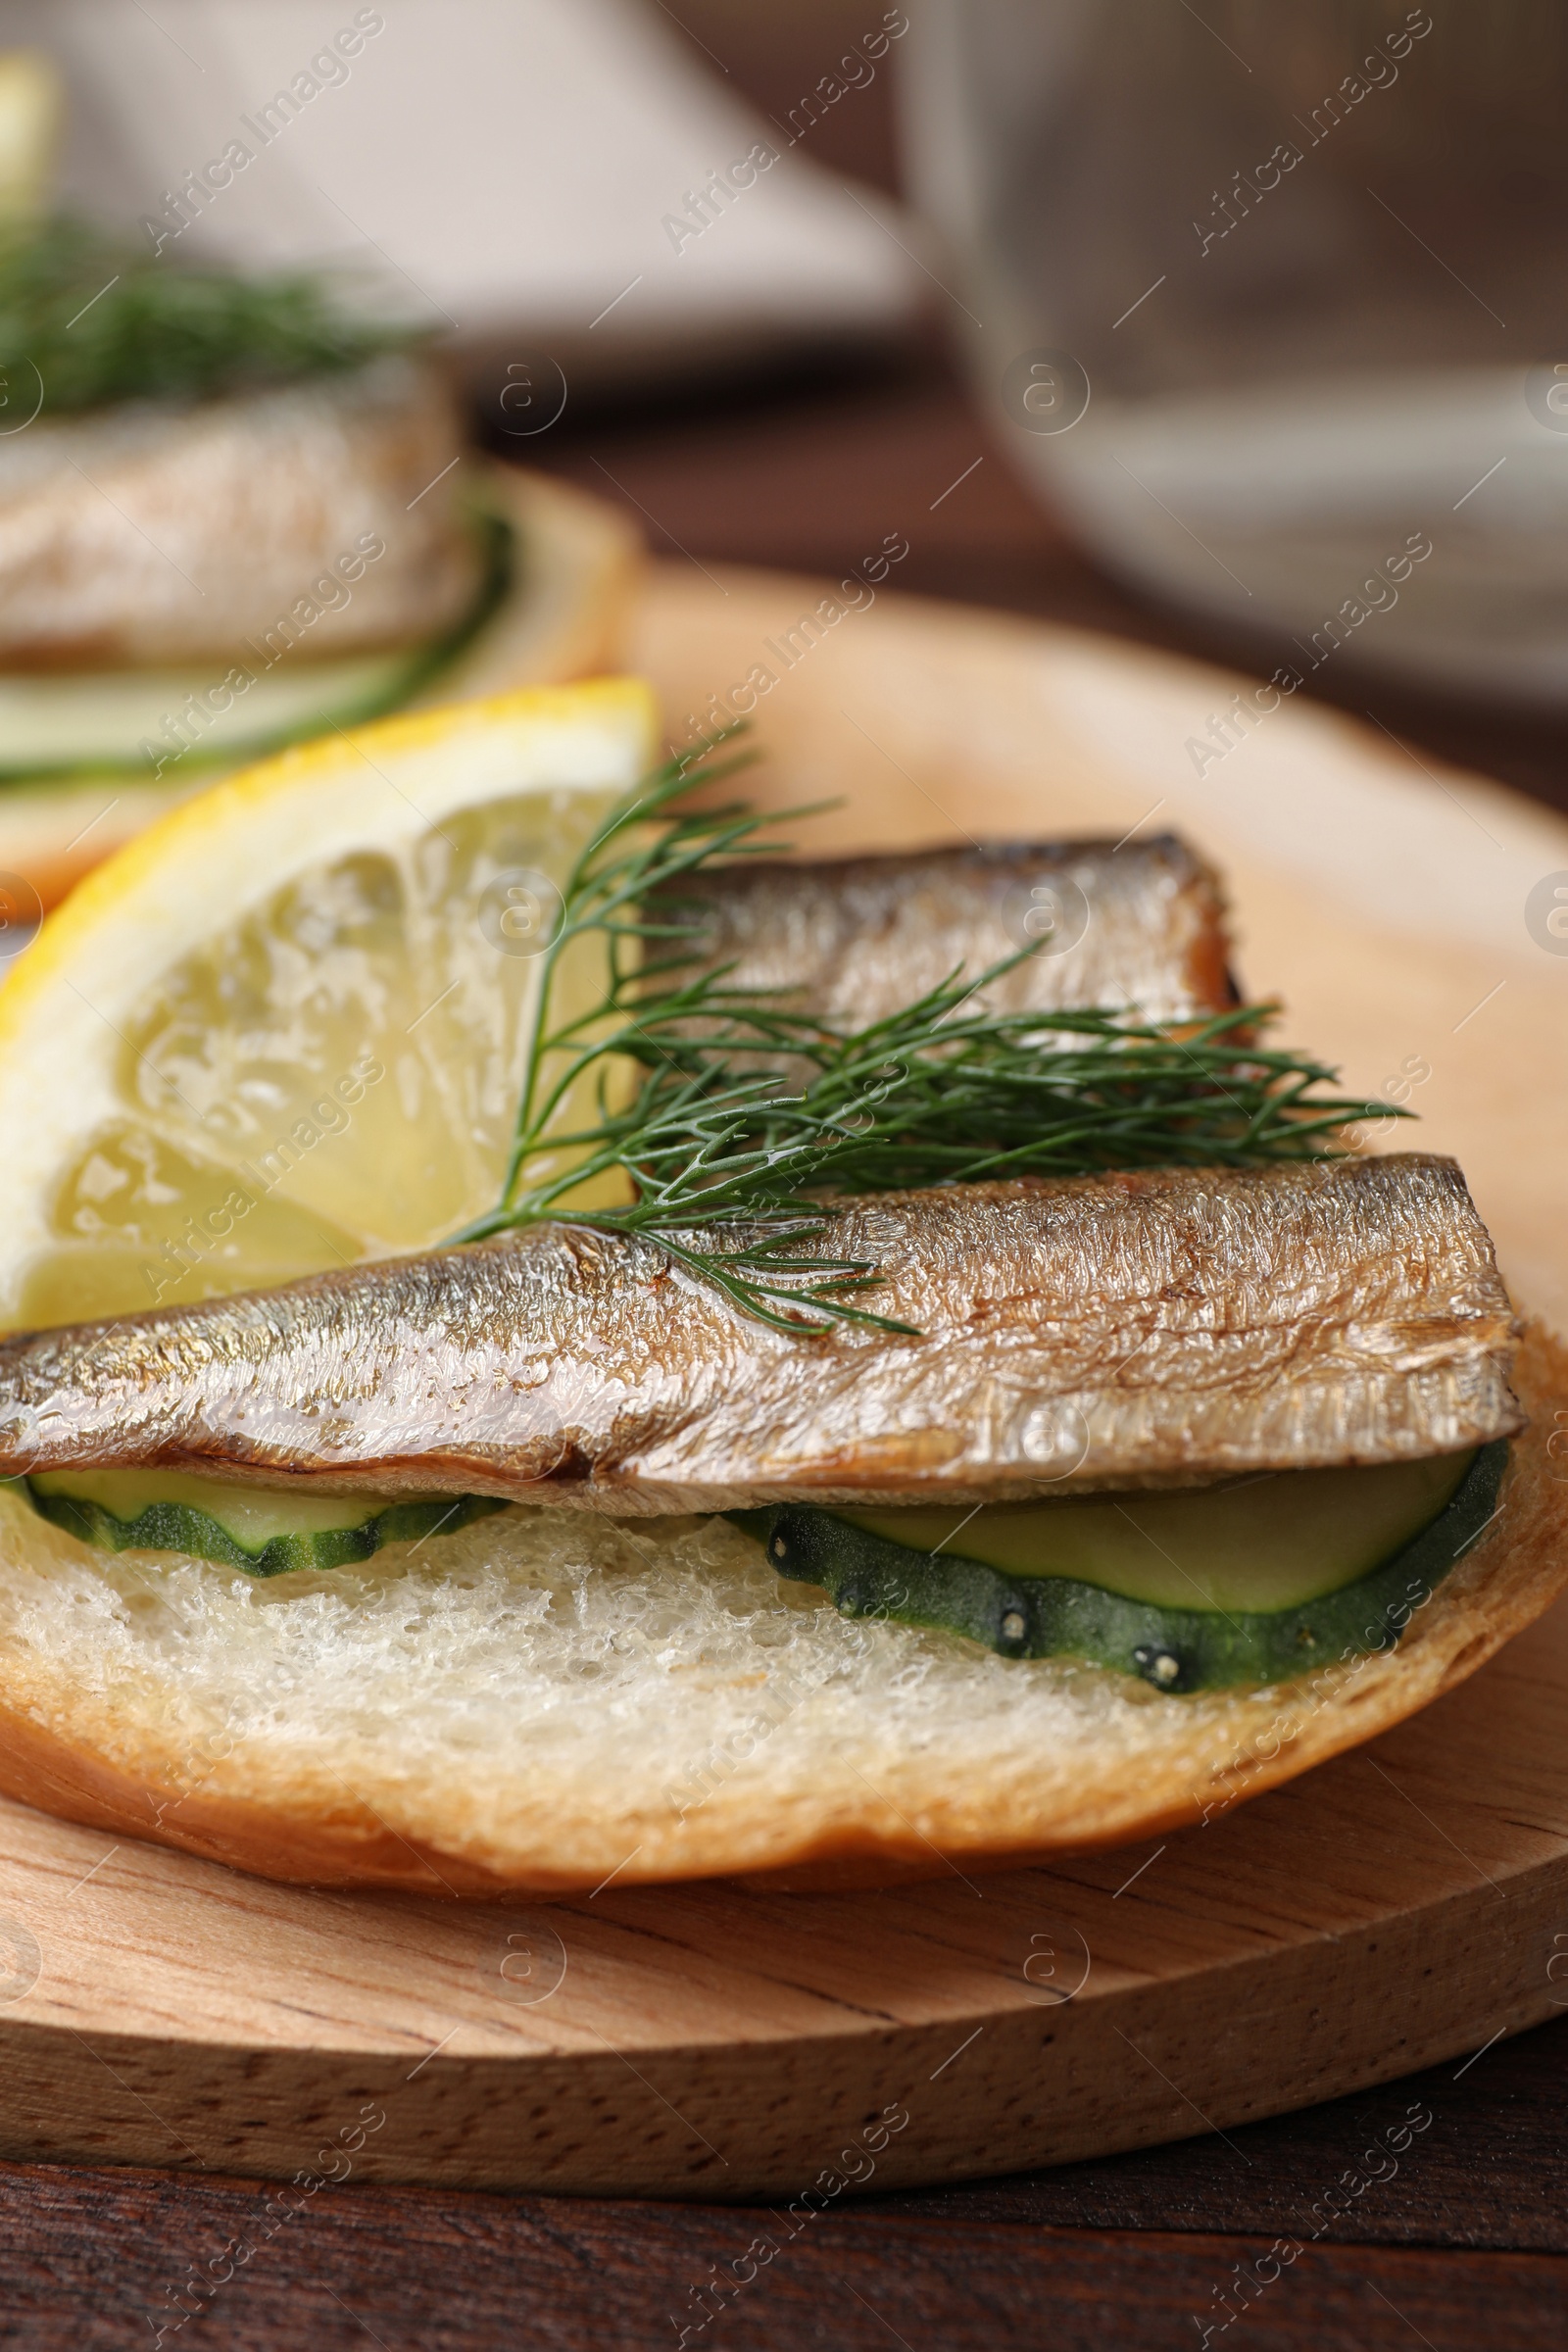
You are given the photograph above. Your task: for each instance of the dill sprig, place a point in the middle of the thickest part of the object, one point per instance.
(751, 1118)
(101, 320)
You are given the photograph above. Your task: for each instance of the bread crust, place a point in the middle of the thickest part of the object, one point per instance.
(257, 1812)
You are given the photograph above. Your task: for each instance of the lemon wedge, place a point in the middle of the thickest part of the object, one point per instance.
(281, 1030)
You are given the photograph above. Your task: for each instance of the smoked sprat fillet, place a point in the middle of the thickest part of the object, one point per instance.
(1089, 1331)
(1142, 924)
(237, 507)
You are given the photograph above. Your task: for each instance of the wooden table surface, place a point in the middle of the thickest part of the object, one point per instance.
(1462, 2244)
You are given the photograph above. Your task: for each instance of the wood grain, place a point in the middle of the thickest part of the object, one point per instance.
(1398, 1906)
(91, 2266)
(1488, 2171)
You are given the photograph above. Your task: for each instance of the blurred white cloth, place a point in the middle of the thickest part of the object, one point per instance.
(510, 166)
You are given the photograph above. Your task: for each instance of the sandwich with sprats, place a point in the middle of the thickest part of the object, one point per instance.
(936, 1381)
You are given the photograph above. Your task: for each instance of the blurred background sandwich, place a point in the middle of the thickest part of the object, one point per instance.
(237, 509)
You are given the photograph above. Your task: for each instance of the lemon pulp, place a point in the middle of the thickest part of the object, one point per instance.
(331, 1071)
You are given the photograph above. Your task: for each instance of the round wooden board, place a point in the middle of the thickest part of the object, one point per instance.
(1400, 1906)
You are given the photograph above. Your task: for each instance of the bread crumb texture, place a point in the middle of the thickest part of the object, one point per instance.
(544, 1698)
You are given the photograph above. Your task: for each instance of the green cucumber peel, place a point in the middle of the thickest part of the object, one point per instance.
(181, 1527)
(413, 675)
(1177, 1651)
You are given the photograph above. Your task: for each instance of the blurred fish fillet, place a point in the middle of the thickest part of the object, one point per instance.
(1141, 924)
(146, 533)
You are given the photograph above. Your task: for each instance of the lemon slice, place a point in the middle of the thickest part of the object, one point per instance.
(281, 1030)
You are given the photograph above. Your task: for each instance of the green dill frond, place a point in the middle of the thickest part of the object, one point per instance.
(751, 1117)
(101, 320)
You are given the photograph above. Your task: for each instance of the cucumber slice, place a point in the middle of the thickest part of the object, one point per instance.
(59, 723)
(1250, 1543)
(261, 1530)
(1035, 1616)
(101, 723)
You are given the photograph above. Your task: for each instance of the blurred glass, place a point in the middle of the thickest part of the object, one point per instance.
(1269, 295)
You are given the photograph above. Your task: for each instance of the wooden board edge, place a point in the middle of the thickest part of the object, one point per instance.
(1037, 2085)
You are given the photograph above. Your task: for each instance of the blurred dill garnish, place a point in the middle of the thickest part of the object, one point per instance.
(102, 321)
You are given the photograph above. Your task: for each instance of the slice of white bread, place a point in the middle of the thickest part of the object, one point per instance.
(545, 1700)
(578, 562)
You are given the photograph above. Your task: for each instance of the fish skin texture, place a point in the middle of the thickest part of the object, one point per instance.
(1142, 924)
(1182, 1324)
(156, 532)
